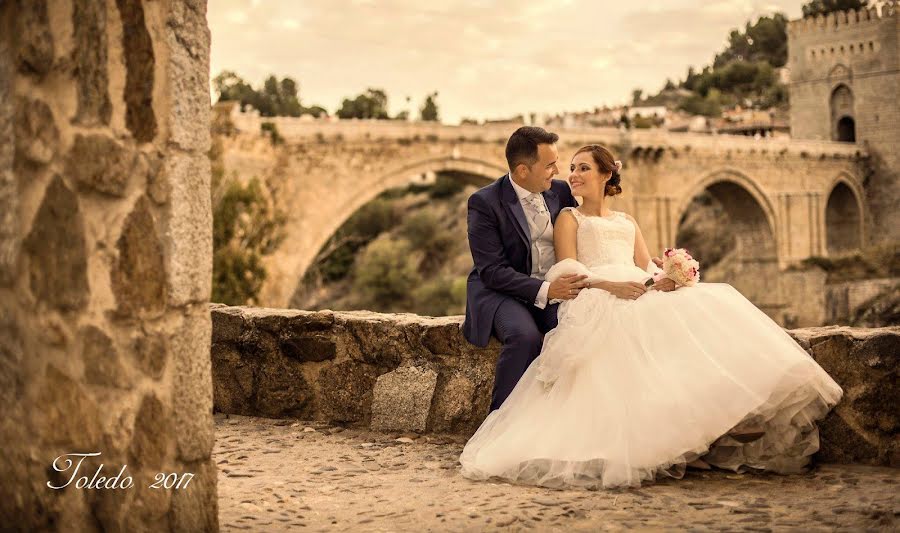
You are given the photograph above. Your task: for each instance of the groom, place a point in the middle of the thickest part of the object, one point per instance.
(511, 238)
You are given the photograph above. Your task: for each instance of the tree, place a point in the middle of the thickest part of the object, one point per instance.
(232, 87)
(275, 98)
(766, 40)
(429, 111)
(636, 96)
(371, 104)
(823, 7)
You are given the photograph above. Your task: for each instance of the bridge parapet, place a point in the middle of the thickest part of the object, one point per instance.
(299, 129)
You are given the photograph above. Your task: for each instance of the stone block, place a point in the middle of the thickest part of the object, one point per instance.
(9, 190)
(402, 399)
(864, 427)
(37, 137)
(68, 414)
(153, 430)
(102, 365)
(232, 381)
(188, 234)
(187, 71)
(36, 47)
(192, 386)
(139, 75)
(196, 508)
(307, 348)
(102, 164)
(454, 404)
(138, 278)
(345, 391)
(280, 389)
(57, 250)
(150, 350)
(91, 56)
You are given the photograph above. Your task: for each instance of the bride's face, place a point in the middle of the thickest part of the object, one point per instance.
(585, 178)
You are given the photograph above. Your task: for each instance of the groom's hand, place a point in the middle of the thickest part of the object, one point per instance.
(566, 287)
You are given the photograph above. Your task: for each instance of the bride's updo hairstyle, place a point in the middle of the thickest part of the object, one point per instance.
(606, 163)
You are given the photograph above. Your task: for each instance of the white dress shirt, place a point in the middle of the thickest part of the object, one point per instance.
(542, 253)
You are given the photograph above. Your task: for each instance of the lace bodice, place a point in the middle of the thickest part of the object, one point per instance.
(604, 240)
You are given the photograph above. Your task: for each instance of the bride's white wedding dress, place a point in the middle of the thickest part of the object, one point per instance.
(625, 390)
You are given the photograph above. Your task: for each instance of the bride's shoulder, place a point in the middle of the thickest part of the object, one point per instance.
(572, 213)
(568, 215)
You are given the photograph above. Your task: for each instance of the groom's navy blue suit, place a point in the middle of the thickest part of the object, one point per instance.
(500, 293)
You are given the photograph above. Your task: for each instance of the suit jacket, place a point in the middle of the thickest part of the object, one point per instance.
(500, 242)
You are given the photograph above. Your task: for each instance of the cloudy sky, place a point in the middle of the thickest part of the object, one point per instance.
(486, 59)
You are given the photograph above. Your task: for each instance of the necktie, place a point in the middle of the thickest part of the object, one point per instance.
(541, 218)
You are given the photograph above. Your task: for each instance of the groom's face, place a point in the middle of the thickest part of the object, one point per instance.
(538, 177)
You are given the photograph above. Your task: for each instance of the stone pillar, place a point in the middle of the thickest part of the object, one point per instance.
(105, 265)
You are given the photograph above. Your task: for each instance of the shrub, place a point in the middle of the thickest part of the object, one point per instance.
(440, 297)
(386, 272)
(424, 232)
(270, 129)
(445, 187)
(245, 227)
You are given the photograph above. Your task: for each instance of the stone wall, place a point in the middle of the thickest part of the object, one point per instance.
(105, 263)
(845, 300)
(405, 373)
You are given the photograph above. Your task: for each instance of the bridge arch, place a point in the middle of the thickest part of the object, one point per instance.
(750, 259)
(741, 180)
(843, 215)
(474, 171)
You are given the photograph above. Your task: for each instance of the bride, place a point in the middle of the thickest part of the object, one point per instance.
(636, 383)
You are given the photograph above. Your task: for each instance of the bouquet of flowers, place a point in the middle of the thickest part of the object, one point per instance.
(679, 266)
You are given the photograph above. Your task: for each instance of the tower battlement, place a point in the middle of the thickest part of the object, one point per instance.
(827, 25)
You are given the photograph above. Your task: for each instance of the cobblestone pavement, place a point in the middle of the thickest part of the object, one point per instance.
(281, 474)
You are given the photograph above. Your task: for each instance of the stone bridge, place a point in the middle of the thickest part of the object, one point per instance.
(787, 199)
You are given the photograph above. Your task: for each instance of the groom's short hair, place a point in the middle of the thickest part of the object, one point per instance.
(522, 146)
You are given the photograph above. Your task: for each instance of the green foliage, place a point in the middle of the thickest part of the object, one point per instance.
(386, 273)
(823, 7)
(276, 97)
(402, 244)
(335, 261)
(371, 104)
(445, 187)
(709, 105)
(766, 41)
(270, 129)
(636, 95)
(744, 72)
(869, 263)
(424, 232)
(245, 227)
(429, 111)
(441, 296)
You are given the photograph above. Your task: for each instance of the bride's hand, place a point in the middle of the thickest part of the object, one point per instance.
(627, 290)
(664, 285)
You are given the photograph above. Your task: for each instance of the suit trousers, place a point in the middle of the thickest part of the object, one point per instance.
(520, 328)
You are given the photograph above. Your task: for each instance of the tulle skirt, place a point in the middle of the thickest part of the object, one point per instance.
(625, 391)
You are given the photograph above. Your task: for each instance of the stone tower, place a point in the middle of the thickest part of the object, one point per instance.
(845, 82)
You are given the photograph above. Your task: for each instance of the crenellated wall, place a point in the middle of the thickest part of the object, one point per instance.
(105, 264)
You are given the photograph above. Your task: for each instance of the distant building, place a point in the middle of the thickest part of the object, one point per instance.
(658, 111)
